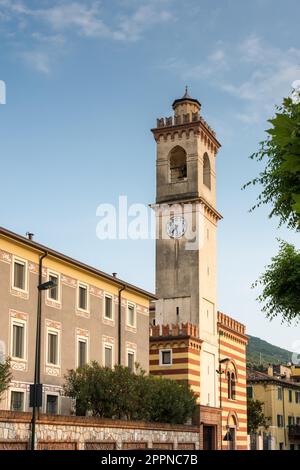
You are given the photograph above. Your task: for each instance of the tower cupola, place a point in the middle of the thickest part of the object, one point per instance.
(186, 108)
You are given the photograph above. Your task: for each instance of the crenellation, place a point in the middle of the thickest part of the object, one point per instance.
(174, 329)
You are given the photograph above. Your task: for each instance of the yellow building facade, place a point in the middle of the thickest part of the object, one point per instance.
(89, 315)
(280, 395)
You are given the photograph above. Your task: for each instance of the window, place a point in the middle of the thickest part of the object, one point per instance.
(206, 171)
(53, 293)
(297, 397)
(131, 361)
(52, 357)
(83, 297)
(82, 352)
(131, 315)
(166, 357)
(298, 420)
(108, 356)
(228, 385)
(108, 304)
(19, 274)
(291, 420)
(18, 340)
(290, 396)
(17, 401)
(52, 404)
(231, 385)
(279, 393)
(279, 421)
(249, 392)
(178, 165)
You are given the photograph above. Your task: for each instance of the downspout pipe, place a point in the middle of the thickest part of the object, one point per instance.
(283, 412)
(120, 324)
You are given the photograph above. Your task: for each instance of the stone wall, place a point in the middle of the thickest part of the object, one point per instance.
(74, 432)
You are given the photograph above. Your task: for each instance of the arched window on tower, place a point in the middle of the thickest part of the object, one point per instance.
(231, 382)
(232, 386)
(178, 165)
(206, 171)
(229, 385)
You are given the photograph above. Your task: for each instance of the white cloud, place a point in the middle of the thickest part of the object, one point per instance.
(217, 56)
(271, 74)
(132, 26)
(39, 60)
(86, 18)
(83, 19)
(54, 24)
(254, 72)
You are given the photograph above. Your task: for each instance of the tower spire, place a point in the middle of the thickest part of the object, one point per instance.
(186, 94)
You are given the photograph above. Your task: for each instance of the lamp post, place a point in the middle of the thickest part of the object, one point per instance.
(36, 388)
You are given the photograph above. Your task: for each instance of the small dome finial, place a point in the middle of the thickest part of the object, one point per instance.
(186, 94)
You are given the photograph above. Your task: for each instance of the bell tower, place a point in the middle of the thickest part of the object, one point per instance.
(186, 219)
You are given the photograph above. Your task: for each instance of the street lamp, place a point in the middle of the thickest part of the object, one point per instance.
(220, 372)
(36, 390)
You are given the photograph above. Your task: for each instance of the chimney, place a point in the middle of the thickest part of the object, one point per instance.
(115, 274)
(29, 235)
(270, 370)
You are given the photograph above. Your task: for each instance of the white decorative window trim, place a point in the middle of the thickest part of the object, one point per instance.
(19, 319)
(109, 345)
(68, 281)
(14, 289)
(81, 336)
(49, 301)
(19, 390)
(84, 312)
(95, 291)
(130, 345)
(5, 257)
(107, 320)
(128, 325)
(161, 351)
(54, 328)
(55, 393)
(133, 352)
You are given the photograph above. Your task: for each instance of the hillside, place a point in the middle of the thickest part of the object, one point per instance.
(262, 352)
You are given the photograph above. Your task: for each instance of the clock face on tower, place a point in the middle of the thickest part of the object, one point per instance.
(176, 227)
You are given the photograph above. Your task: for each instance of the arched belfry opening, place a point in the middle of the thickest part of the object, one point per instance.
(178, 165)
(206, 171)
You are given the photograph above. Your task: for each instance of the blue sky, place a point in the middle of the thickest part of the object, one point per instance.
(85, 82)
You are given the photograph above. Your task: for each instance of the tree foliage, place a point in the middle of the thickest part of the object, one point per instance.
(280, 178)
(120, 394)
(5, 375)
(255, 416)
(281, 284)
(280, 181)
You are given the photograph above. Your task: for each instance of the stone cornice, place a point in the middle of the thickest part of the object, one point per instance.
(200, 128)
(208, 207)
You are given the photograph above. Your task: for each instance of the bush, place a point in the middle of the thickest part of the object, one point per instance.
(5, 376)
(120, 394)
